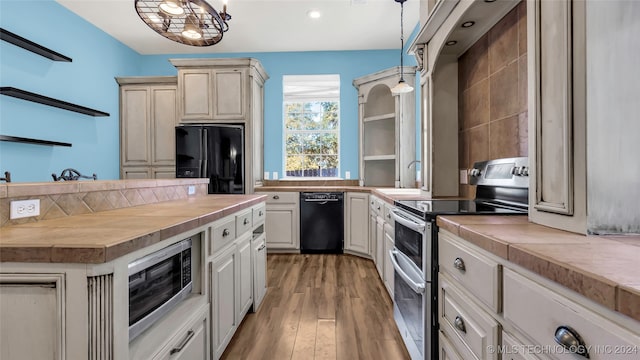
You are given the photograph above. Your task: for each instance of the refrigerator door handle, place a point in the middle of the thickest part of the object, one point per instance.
(205, 153)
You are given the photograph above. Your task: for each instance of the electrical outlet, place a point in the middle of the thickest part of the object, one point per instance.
(191, 190)
(266, 175)
(347, 175)
(275, 175)
(463, 177)
(25, 208)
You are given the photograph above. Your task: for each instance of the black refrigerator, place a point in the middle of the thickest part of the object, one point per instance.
(215, 152)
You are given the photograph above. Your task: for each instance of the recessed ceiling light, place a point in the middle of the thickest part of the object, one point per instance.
(451, 42)
(314, 14)
(468, 24)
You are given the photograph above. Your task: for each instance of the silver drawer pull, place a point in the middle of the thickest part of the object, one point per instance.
(225, 232)
(245, 222)
(459, 323)
(262, 247)
(183, 343)
(388, 216)
(260, 213)
(276, 197)
(378, 207)
(458, 263)
(571, 340)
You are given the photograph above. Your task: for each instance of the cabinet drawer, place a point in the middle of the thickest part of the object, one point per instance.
(513, 349)
(447, 351)
(475, 272)
(465, 324)
(376, 206)
(259, 214)
(539, 312)
(283, 198)
(243, 222)
(223, 233)
(388, 218)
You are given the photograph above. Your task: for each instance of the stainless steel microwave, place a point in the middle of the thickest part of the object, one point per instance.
(157, 283)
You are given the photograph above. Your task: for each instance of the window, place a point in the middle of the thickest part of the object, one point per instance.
(311, 125)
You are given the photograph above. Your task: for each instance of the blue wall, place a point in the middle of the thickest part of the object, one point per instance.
(89, 81)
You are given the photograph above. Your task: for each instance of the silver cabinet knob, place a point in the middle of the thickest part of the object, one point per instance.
(245, 222)
(458, 263)
(225, 233)
(262, 247)
(276, 197)
(260, 213)
(459, 324)
(571, 340)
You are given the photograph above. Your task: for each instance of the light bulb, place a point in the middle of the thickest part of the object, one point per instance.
(171, 7)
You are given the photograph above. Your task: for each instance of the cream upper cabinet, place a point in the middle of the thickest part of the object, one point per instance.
(147, 122)
(387, 129)
(226, 90)
(582, 143)
(356, 223)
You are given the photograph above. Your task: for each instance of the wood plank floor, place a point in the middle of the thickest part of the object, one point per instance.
(320, 307)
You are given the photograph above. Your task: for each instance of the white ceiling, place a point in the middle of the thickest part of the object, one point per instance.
(266, 25)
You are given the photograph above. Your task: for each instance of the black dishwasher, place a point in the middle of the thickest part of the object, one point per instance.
(321, 223)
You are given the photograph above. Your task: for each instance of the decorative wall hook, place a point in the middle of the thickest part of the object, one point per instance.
(7, 177)
(72, 174)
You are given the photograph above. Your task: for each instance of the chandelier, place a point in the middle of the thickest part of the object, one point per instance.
(189, 22)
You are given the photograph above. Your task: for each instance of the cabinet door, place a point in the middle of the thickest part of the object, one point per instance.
(259, 271)
(223, 299)
(281, 226)
(195, 94)
(163, 115)
(229, 97)
(356, 216)
(31, 321)
(245, 276)
(372, 237)
(135, 122)
(388, 267)
(380, 245)
(163, 172)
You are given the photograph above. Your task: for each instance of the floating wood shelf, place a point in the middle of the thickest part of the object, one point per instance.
(29, 96)
(26, 44)
(32, 141)
(390, 116)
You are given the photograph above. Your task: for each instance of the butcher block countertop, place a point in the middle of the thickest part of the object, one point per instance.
(605, 269)
(104, 236)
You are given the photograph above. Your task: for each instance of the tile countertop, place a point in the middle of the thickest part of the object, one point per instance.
(605, 269)
(103, 236)
(387, 194)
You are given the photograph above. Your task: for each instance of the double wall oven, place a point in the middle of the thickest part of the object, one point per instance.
(502, 189)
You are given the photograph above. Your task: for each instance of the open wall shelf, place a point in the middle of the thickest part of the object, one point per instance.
(26, 44)
(32, 141)
(41, 99)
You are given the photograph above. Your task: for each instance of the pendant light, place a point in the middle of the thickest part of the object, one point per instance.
(402, 87)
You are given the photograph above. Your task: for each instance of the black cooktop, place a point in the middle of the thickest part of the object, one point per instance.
(429, 209)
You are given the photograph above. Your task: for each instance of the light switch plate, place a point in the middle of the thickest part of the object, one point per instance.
(463, 177)
(25, 208)
(347, 174)
(275, 175)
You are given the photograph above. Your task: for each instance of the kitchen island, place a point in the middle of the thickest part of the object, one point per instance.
(64, 282)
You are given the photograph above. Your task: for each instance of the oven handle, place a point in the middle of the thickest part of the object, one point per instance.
(417, 226)
(418, 288)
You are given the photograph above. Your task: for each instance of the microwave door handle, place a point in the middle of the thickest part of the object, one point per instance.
(416, 287)
(411, 224)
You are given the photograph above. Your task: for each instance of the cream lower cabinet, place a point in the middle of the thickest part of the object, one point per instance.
(490, 308)
(191, 342)
(223, 298)
(282, 223)
(389, 243)
(148, 116)
(245, 274)
(35, 302)
(259, 270)
(356, 218)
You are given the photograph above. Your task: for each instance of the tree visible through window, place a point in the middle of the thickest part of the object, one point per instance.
(312, 126)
